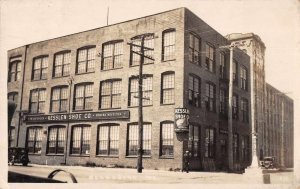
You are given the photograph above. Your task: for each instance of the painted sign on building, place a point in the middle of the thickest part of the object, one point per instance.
(85, 116)
(181, 120)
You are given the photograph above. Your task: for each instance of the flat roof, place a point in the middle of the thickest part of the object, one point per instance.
(102, 27)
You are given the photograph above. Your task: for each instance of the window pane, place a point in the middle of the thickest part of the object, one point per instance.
(103, 140)
(167, 139)
(114, 140)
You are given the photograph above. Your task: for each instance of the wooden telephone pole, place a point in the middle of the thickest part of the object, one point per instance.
(140, 98)
(230, 91)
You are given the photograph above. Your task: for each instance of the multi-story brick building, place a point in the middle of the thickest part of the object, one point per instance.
(269, 131)
(79, 94)
(279, 131)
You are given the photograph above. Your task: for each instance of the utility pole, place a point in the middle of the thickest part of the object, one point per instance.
(230, 94)
(70, 82)
(140, 100)
(140, 94)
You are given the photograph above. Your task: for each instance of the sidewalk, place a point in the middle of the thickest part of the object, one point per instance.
(124, 175)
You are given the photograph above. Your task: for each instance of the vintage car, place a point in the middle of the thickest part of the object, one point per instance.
(268, 162)
(18, 155)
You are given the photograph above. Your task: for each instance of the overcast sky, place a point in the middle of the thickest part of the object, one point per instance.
(275, 21)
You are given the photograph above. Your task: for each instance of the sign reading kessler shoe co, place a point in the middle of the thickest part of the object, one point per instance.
(87, 116)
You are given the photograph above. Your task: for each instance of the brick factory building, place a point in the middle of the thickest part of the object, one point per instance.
(279, 132)
(274, 134)
(76, 95)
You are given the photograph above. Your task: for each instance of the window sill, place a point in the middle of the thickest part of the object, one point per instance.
(107, 156)
(195, 63)
(139, 64)
(82, 110)
(13, 81)
(79, 155)
(168, 60)
(55, 155)
(36, 114)
(134, 156)
(138, 106)
(63, 112)
(38, 80)
(84, 73)
(102, 70)
(166, 157)
(168, 104)
(109, 108)
(57, 77)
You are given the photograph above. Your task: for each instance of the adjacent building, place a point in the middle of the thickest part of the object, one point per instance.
(76, 95)
(279, 131)
(272, 110)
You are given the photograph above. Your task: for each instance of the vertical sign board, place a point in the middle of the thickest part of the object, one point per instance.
(181, 120)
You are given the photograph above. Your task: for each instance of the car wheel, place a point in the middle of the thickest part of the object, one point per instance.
(25, 163)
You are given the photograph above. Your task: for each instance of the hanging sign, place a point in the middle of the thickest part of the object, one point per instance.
(181, 120)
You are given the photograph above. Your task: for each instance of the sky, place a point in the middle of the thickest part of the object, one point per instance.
(277, 22)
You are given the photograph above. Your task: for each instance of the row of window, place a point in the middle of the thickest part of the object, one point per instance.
(111, 57)
(110, 94)
(194, 87)
(243, 83)
(244, 106)
(107, 139)
(112, 54)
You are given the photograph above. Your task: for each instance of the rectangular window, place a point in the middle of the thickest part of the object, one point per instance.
(86, 60)
(14, 71)
(80, 143)
(210, 94)
(235, 147)
(83, 96)
(209, 143)
(13, 96)
(168, 88)
(110, 95)
(147, 91)
(37, 101)
(148, 52)
(168, 50)
(234, 73)
(194, 90)
(243, 75)
(223, 105)
(34, 140)
(244, 109)
(167, 140)
(40, 68)
(194, 140)
(62, 63)
(235, 110)
(210, 58)
(108, 140)
(132, 140)
(244, 148)
(194, 49)
(11, 137)
(222, 65)
(56, 140)
(112, 55)
(59, 99)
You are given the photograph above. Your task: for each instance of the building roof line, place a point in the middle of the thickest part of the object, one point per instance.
(102, 27)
